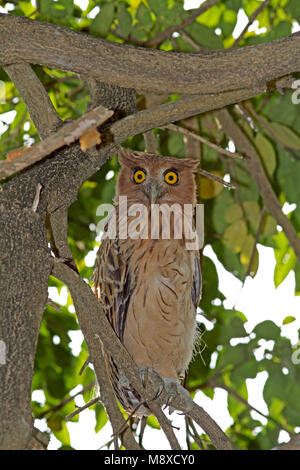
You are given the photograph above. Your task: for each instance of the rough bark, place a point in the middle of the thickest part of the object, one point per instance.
(146, 69)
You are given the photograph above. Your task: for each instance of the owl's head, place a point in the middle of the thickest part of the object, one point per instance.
(152, 179)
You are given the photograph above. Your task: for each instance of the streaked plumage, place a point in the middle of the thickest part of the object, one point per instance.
(151, 288)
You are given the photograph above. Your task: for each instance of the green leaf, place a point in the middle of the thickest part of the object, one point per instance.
(244, 371)
(62, 434)
(285, 258)
(139, 33)
(288, 319)
(204, 36)
(143, 15)
(293, 8)
(101, 417)
(102, 22)
(275, 386)
(269, 226)
(45, 7)
(152, 422)
(159, 7)
(233, 213)
(211, 17)
(267, 153)
(285, 135)
(246, 253)
(252, 211)
(267, 330)
(209, 188)
(276, 408)
(235, 235)
(124, 20)
(234, 4)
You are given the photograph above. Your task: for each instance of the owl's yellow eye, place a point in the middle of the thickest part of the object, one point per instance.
(139, 176)
(171, 177)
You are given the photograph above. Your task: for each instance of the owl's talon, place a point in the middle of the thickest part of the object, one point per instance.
(158, 393)
(173, 389)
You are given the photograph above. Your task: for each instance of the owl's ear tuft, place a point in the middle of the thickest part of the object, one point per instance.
(126, 157)
(191, 163)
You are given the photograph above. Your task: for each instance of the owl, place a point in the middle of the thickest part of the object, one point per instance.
(150, 286)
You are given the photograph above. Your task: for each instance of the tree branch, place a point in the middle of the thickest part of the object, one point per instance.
(66, 135)
(257, 172)
(252, 18)
(217, 148)
(157, 40)
(38, 103)
(154, 70)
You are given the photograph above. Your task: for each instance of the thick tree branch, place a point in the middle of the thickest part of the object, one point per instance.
(153, 70)
(65, 135)
(36, 98)
(173, 111)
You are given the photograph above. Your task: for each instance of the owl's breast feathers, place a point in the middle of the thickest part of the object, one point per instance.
(150, 290)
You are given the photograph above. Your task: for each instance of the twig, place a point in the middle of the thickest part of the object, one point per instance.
(217, 436)
(64, 136)
(165, 425)
(82, 408)
(142, 430)
(215, 178)
(66, 401)
(86, 363)
(192, 146)
(191, 41)
(251, 19)
(108, 444)
(238, 397)
(182, 130)
(124, 425)
(157, 40)
(195, 434)
(53, 304)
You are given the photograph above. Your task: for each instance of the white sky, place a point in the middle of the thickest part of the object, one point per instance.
(258, 300)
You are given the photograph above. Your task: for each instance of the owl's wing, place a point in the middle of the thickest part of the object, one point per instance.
(112, 283)
(197, 282)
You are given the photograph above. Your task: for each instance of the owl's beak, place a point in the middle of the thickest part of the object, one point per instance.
(153, 191)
